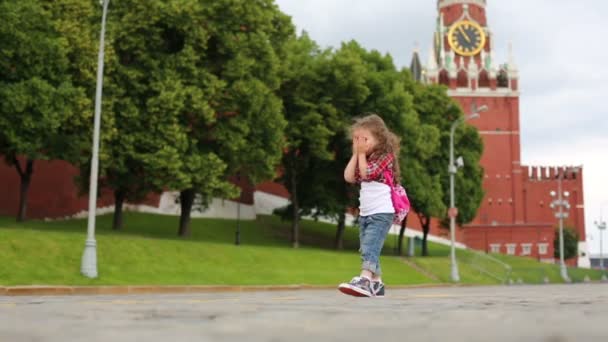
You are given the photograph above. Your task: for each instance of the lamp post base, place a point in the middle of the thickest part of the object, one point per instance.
(89, 259)
(564, 273)
(454, 274)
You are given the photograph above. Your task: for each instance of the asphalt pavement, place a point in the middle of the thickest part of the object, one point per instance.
(551, 313)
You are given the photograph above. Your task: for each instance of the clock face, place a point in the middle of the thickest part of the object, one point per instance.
(466, 38)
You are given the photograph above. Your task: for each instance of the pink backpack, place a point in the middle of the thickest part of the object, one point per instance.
(399, 197)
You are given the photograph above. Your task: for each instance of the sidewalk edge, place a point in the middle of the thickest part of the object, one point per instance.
(37, 290)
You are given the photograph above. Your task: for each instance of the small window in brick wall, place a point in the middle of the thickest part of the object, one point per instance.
(511, 248)
(526, 248)
(542, 248)
(494, 248)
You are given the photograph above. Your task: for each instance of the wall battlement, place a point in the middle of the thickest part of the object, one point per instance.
(551, 173)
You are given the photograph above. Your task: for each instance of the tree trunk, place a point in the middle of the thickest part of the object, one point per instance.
(339, 242)
(401, 232)
(425, 231)
(26, 178)
(295, 224)
(119, 198)
(186, 199)
(425, 222)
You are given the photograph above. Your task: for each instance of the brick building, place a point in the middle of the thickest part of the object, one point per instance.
(515, 216)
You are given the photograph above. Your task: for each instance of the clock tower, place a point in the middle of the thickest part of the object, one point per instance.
(463, 59)
(514, 216)
(462, 56)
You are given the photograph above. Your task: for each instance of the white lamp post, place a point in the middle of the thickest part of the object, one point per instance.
(89, 257)
(560, 203)
(601, 226)
(452, 169)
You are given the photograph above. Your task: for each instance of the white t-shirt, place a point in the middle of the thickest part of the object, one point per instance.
(375, 198)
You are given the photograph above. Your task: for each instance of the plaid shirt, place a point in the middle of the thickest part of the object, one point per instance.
(376, 164)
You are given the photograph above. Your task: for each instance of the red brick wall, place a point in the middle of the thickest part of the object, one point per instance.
(538, 198)
(481, 238)
(499, 129)
(52, 191)
(273, 188)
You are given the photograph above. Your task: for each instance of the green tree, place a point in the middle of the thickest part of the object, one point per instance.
(79, 23)
(40, 106)
(238, 125)
(134, 144)
(429, 187)
(419, 147)
(143, 142)
(327, 193)
(390, 97)
(188, 98)
(360, 82)
(311, 119)
(571, 239)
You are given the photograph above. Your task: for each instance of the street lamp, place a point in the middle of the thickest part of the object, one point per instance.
(560, 202)
(237, 239)
(601, 226)
(452, 169)
(89, 257)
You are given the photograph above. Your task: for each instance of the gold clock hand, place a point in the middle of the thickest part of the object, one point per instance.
(464, 34)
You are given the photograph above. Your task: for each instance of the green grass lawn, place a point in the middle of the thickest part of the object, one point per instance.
(533, 272)
(148, 251)
(528, 270)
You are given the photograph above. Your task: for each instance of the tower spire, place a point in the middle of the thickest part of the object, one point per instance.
(431, 64)
(440, 41)
(512, 71)
(415, 65)
(493, 69)
(512, 65)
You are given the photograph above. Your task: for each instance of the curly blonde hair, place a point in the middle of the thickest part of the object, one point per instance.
(388, 142)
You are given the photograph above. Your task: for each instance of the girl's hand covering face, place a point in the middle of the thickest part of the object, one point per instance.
(362, 145)
(362, 141)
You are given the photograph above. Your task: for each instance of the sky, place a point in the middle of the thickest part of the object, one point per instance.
(560, 49)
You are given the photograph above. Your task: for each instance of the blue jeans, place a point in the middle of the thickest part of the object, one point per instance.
(372, 232)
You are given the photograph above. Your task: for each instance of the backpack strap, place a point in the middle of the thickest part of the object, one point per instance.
(388, 177)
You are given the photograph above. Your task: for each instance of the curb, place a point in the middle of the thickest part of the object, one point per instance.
(36, 290)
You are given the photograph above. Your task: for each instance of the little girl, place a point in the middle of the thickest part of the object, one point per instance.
(374, 151)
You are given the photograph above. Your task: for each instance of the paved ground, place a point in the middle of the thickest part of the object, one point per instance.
(519, 313)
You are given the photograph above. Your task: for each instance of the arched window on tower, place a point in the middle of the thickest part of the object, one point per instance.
(463, 79)
(484, 80)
